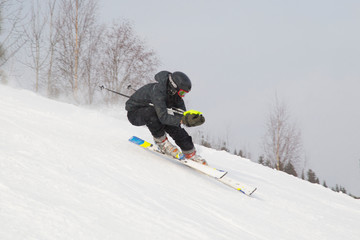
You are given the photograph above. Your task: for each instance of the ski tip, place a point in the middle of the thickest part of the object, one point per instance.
(246, 192)
(225, 172)
(252, 191)
(133, 138)
(140, 142)
(136, 140)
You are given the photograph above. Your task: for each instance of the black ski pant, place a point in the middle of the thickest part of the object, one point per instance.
(147, 116)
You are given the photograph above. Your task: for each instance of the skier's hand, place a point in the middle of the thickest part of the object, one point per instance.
(192, 118)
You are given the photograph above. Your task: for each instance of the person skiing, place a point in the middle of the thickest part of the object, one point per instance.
(149, 106)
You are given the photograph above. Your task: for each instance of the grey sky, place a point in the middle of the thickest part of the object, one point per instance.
(240, 53)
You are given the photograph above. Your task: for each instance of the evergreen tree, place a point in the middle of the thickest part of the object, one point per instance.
(324, 184)
(290, 169)
(241, 154)
(224, 147)
(261, 160)
(303, 175)
(268, 164)
(311, 176)
(343, 190)
(205, 142)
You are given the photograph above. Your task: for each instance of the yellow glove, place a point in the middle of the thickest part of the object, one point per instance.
(193, 118)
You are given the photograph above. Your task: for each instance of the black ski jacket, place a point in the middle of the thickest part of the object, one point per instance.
(156, 93)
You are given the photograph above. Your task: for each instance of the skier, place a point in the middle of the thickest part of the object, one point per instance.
(166, 93)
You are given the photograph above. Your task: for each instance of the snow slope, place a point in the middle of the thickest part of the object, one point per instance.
(70, 173)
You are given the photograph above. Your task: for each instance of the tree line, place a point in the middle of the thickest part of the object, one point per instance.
(282, 147)
(70, 52)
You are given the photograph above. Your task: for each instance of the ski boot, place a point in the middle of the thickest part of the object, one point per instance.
(194, 157)
(166, 147)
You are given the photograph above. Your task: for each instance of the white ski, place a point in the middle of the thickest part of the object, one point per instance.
(205, 169)
(237, 185)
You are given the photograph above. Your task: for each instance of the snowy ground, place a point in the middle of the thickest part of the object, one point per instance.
(70, 173)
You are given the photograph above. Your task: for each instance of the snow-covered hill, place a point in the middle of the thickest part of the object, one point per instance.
(70, 173)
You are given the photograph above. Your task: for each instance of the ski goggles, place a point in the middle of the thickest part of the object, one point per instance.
(182, 93)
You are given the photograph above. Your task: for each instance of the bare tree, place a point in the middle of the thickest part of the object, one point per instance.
(282, 142)
(126, 59)
(41, 39)
(53, 38)
(73, 25)
(35, 41)
(91, 62)
(11, 40)
(70, 51)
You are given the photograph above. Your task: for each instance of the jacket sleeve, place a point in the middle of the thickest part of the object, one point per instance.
(180, 104)
(159, 101)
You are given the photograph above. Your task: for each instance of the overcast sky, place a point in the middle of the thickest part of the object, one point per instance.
(238, 54)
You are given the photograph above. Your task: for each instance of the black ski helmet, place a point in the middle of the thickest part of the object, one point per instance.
(178, 81)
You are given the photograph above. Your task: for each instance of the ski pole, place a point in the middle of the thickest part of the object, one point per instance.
(121, 94)
(170, 110)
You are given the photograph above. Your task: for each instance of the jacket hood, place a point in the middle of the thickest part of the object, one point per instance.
(162, 77)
